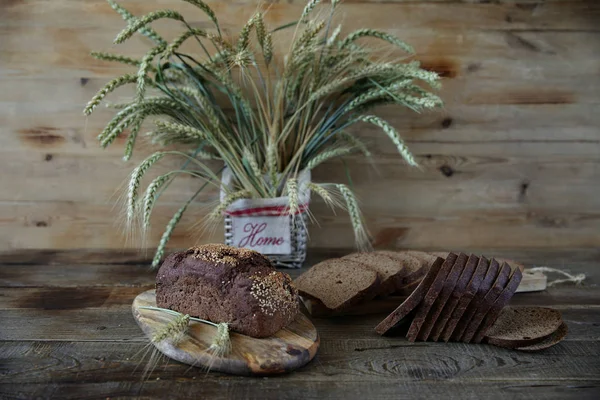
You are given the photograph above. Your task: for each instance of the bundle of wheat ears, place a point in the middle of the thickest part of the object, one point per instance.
(265, 116)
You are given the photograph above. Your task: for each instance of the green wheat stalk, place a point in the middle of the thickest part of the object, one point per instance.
(327, 155)
(145, 20)
(393, 135)
(134, 183)
(360, 234)
(108, 88)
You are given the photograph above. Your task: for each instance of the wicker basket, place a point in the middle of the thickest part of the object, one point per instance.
(273, 213)
(299, 240)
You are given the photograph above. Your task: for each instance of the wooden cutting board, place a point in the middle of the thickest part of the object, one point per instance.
(287, 350)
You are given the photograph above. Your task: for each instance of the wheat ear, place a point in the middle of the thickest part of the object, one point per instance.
(143, 71)
(115, 58)
(394, 136)
(127, 16)
(108, 88)
(327, 155)
(324, 194)
(206, 9)
(217, 212)
(379, 35)
(135, 129)
(244, 37)
(134, 183)
(150, 197)
(248, 156)
(181, 129)
(308, 8)
(272, 164)
(160, 249)
(360, 234)
(292, 192)
(145, 20)
(221, 344)
(174, 331)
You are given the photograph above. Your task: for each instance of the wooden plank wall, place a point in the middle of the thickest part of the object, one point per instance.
(512, 161)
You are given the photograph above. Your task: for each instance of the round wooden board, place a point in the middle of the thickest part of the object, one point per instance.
(287, 350)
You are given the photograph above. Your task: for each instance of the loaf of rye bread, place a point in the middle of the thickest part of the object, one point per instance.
(226, 284)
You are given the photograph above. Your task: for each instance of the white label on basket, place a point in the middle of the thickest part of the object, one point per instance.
(267, 235)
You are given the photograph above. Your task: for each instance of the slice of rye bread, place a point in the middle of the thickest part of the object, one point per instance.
(486, 284)
(499, 304)
(408, 305)
(550, 341)
(523, 326)
(443, 296)
(465, 300)
(338, 284)
(432, 293)
(488, 301)
(388, 269)
(459, 290)
(412, 267)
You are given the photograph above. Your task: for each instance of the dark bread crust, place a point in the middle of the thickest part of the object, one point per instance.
(484, 287)
(488, 301)
(501, 301)
(226, 284)
(465, 300)
(432, 293)
(411, 302)
(338, 270)
(442, 298)
(523, 326)
(456, 295)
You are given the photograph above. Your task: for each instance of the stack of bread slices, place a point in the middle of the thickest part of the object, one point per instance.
(451, 297)
(341, 284)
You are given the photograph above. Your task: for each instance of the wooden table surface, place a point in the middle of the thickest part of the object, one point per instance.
(66, 331)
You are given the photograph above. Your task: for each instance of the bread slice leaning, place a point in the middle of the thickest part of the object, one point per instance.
(487, 302)
(444, 295)
(466, 299)
(486, 285)
(432, 293)
(338, 284)
(457, 293)
(499, 304)
(523, 326)
(408, 305)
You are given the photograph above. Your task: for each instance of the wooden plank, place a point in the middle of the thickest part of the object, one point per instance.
(465, 59)
(496, 179)
(311, 390)
(44, 225)
(64, 363)
(116, 323)
(93, 296)
(558, 15)
(94, 268)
